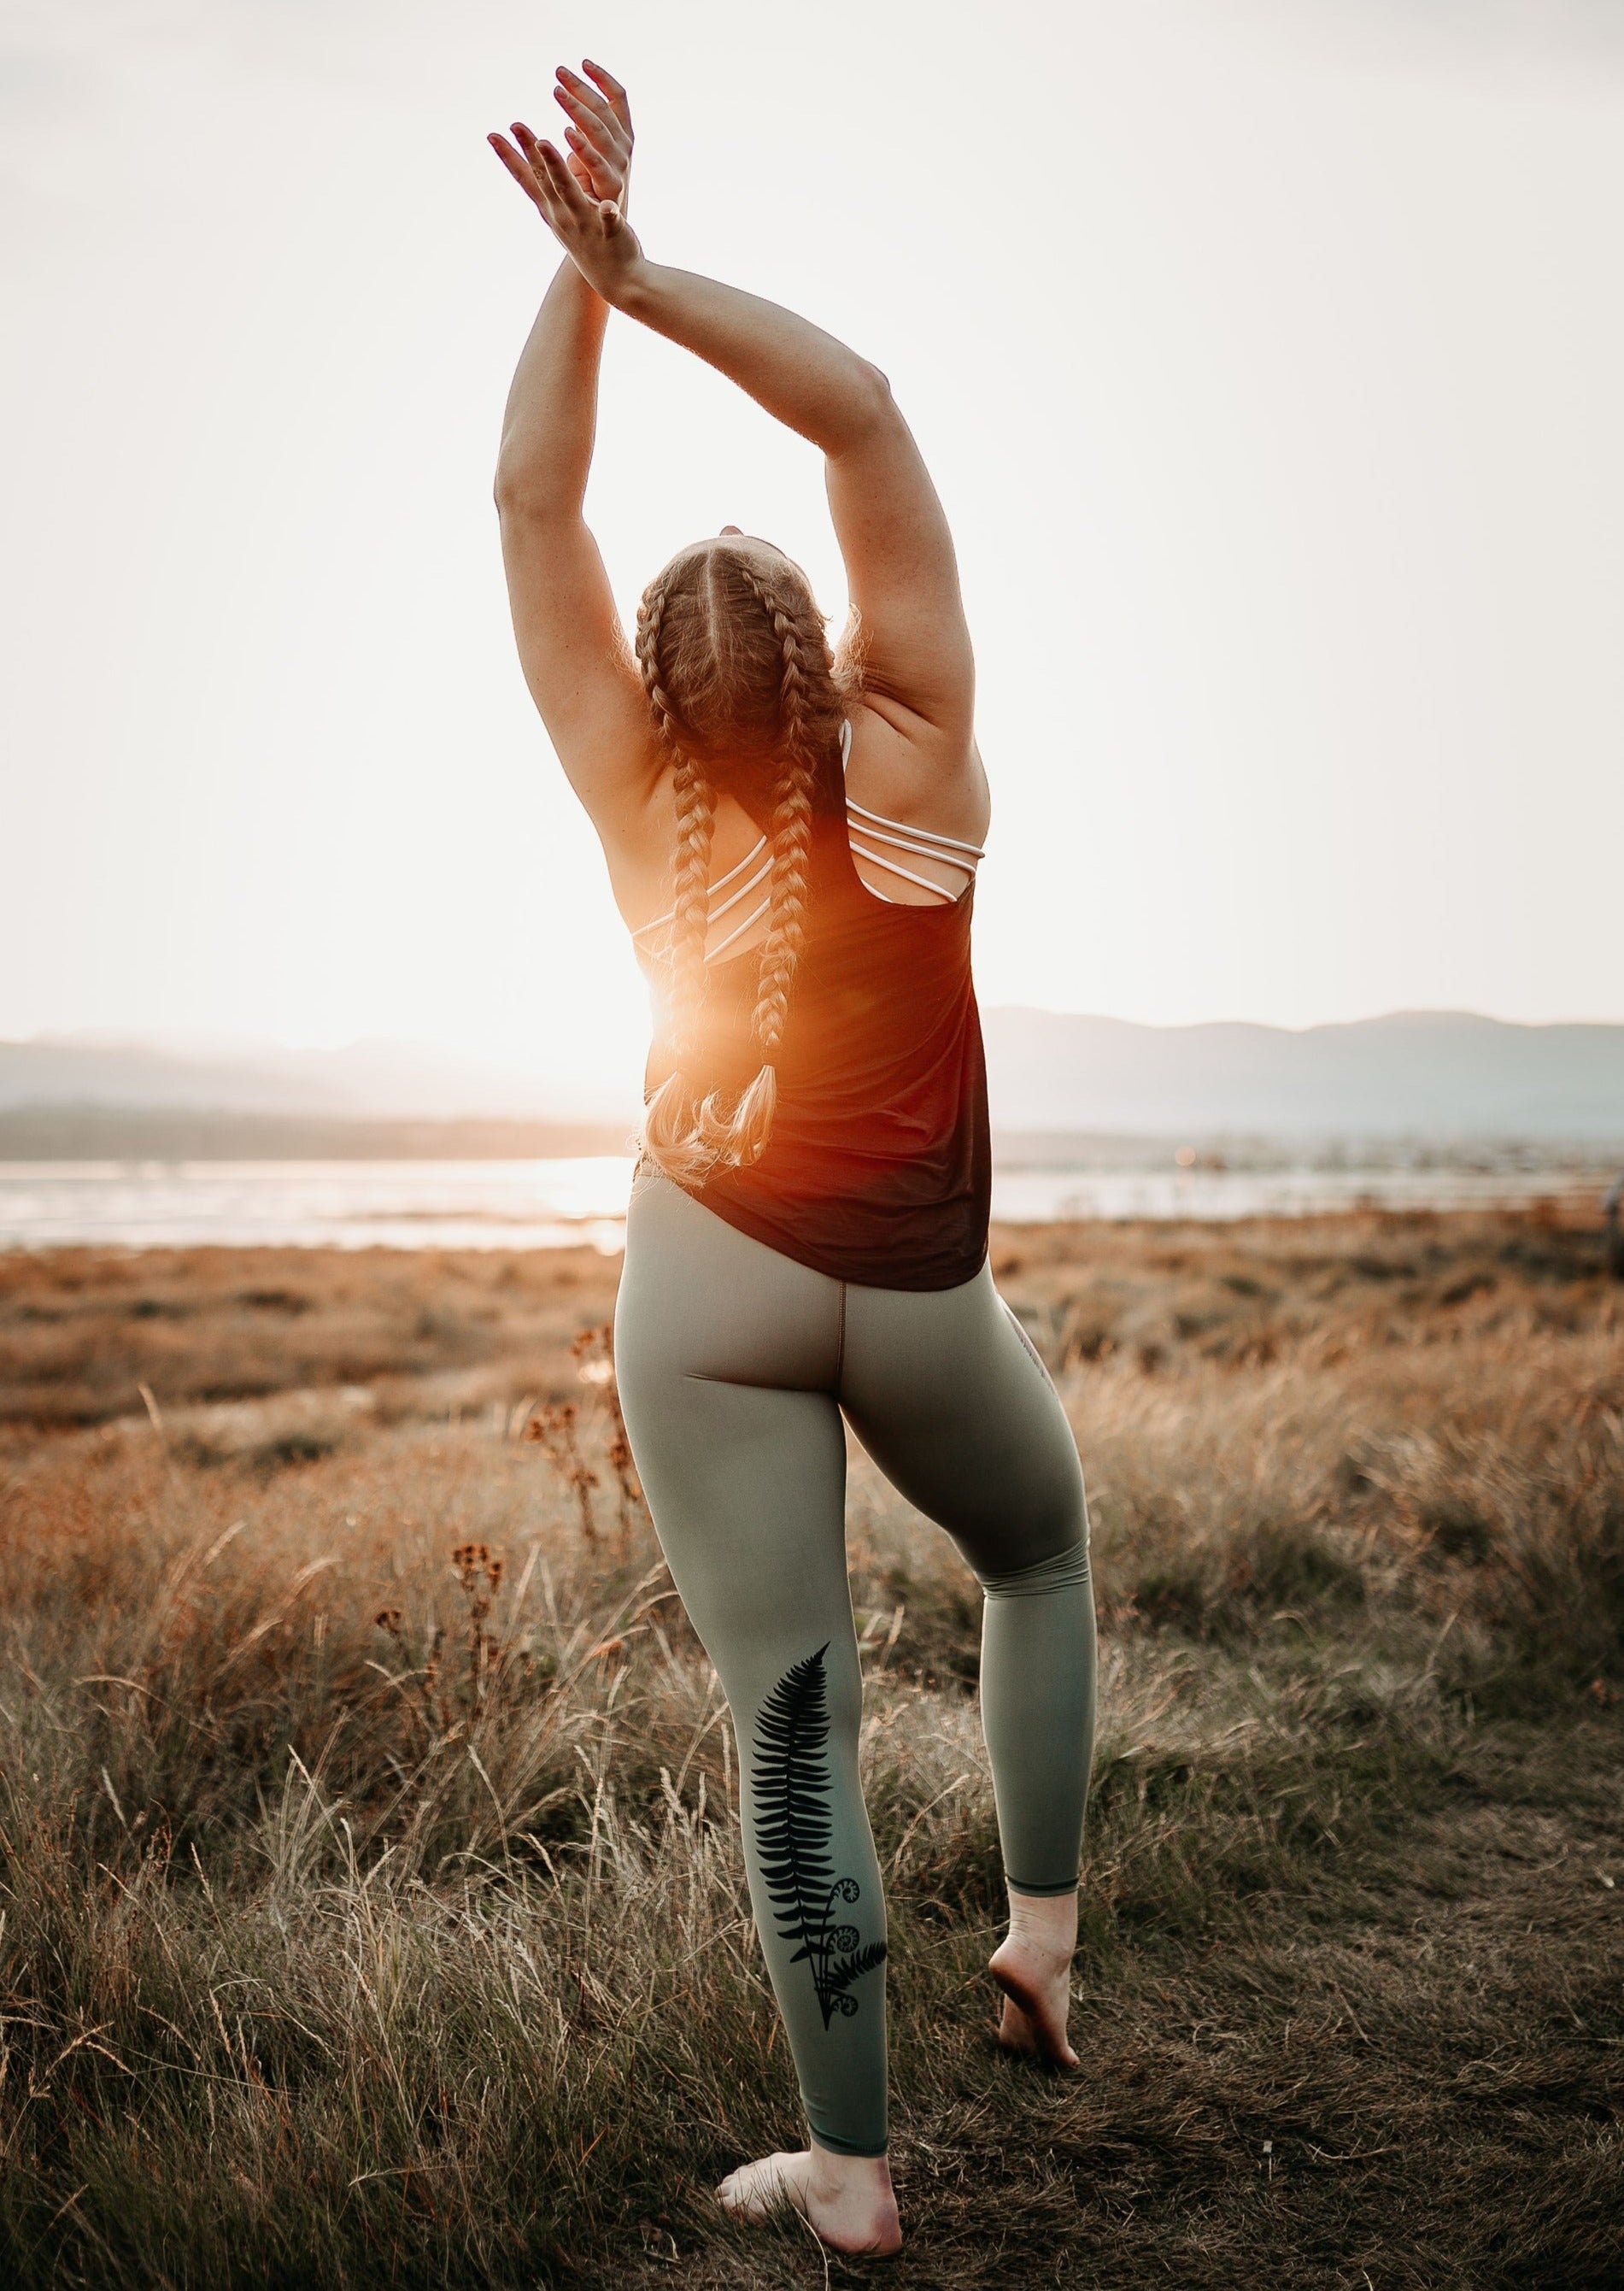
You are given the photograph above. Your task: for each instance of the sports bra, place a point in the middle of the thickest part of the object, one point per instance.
(878, 1169)
(864, 830)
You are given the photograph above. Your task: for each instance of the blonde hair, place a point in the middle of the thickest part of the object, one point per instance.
(736, 663)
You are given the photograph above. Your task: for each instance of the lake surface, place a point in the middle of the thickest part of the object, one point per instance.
(575, 1204)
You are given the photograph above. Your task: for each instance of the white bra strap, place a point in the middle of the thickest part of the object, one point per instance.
(754, 851)
(721, 884)
(714, 953)
(751, 883)
(921, 834)
(907, 873)
(865, 828)
(871, 827)
(914, 850)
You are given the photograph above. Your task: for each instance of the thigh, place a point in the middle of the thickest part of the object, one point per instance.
(948, 1394)
(699, 1300)
(743, 1466)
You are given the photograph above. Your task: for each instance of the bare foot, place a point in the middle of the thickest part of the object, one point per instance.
(847, 2200)
(1033, 1967)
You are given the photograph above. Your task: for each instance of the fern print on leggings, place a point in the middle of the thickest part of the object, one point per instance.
(790, 1780)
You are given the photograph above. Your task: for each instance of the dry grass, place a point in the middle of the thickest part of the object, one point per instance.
(373, 1905)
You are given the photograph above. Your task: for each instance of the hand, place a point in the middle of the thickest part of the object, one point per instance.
(600, 131)
(583, 200)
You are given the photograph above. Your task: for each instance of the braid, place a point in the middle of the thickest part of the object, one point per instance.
(787, 914)
(696, 812)
(772, 686)
(780, 954)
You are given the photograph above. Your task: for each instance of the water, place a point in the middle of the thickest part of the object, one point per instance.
(315, 1204)
(581, 1203)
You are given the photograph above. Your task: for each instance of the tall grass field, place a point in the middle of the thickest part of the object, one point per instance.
(371, 1909)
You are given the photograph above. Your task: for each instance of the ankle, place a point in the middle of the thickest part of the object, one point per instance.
(848, 2175)
(1046, 1921)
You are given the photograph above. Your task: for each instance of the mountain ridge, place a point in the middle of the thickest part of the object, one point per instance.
(1423, 1073)
(1440, 1074)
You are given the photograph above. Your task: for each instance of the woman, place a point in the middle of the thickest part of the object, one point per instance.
(793, 842)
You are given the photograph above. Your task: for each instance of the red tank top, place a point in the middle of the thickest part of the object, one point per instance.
(879, 1167)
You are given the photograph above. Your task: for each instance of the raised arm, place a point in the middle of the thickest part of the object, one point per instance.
(918, 673)
(900, 568)
(571, 646)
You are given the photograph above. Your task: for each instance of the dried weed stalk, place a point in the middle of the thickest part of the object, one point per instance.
(557, 1431)
(593, 1353)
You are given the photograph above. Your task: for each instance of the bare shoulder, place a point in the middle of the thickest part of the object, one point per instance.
(908, 770)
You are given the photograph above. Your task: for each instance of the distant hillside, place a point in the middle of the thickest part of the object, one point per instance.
(1433, 1074)
(1440, 1076)
(133, 1133)
(365, 1082)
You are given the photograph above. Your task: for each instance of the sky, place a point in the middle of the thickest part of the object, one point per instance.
(1268, 356)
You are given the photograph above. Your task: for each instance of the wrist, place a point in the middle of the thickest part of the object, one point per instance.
(634, 291)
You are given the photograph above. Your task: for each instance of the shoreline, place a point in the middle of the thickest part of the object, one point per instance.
(565, 1204)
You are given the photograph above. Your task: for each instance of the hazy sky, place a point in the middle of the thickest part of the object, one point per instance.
(1269, 356)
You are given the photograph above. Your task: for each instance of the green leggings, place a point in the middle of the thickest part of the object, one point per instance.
(735, 1365)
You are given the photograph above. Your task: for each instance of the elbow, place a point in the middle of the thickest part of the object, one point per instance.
(529, 493)
(872, 408)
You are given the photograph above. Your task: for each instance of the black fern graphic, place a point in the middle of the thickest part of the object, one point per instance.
(791, 1782)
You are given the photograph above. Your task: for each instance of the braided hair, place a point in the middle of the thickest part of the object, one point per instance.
(736, 663)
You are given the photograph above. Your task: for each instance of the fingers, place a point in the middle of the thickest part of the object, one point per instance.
(598, 177)
(612, 88)
(517, 166)
(594, 156)
(592, 118)
(600, 151)
(552, 174)
(544, 176)
(578, 192)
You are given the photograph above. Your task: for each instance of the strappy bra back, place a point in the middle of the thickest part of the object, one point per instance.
(878, 1169)
(737, 902)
